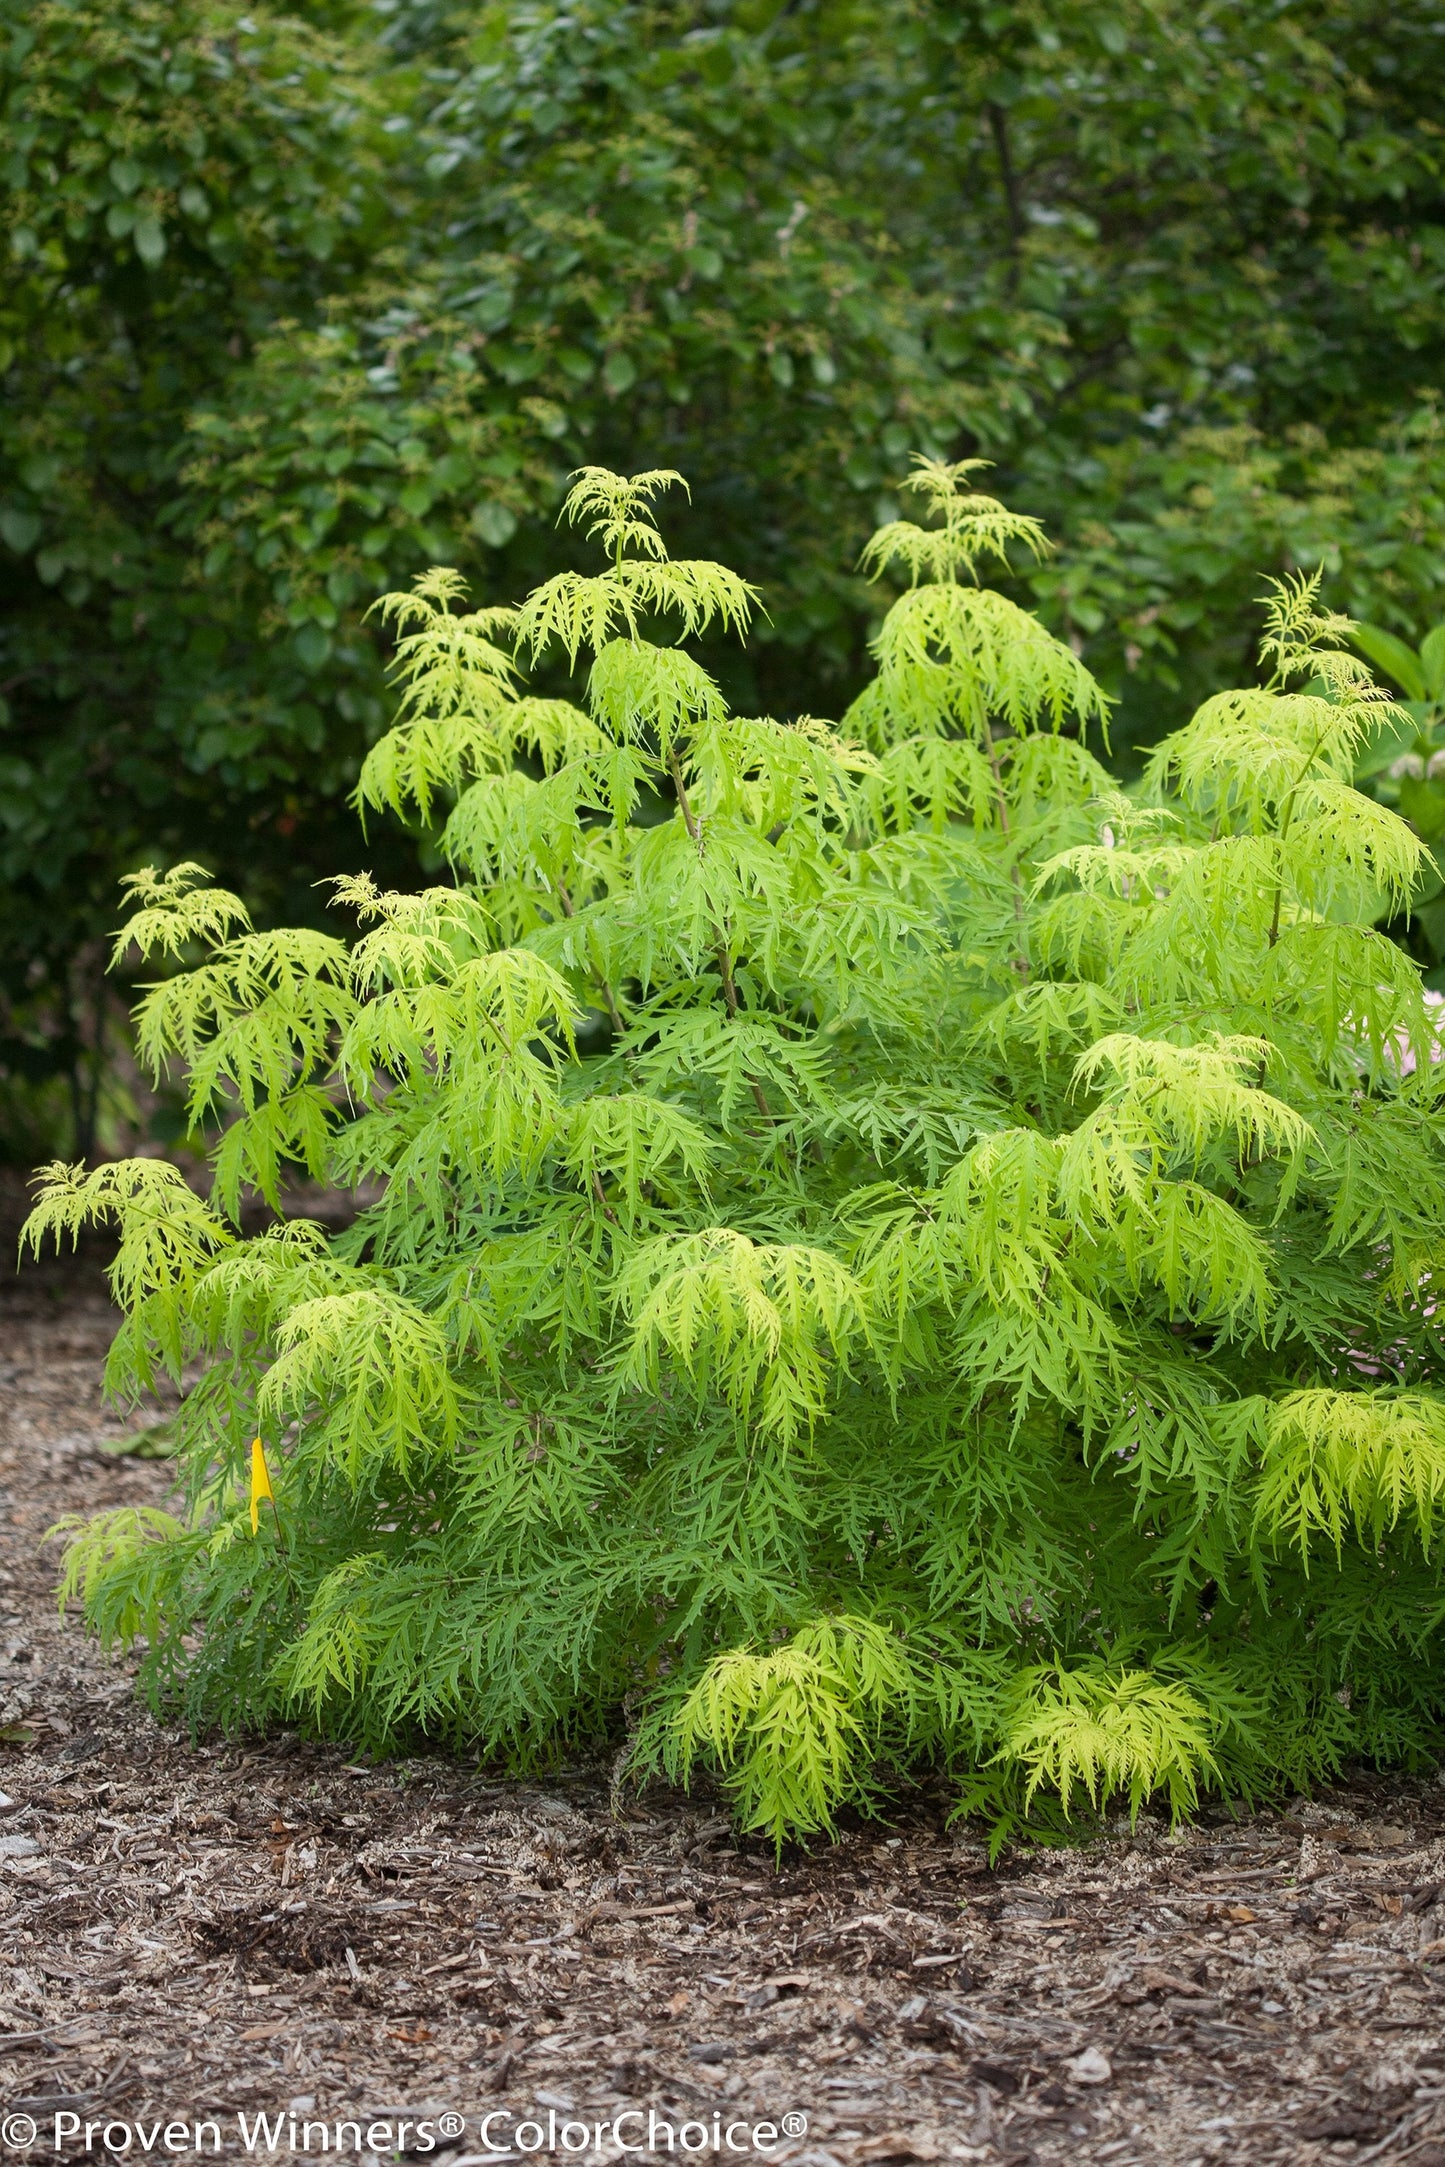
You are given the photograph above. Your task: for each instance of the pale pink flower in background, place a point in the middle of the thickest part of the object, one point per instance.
(1435, 1003)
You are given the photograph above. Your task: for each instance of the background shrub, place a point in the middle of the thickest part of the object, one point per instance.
(301, 303)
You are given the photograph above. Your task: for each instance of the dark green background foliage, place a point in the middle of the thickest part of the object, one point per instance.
(297, 304)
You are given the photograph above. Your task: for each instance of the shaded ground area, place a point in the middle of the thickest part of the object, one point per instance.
(262, 1926)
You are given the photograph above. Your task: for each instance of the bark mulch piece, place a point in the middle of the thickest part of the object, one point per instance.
(196, 1931)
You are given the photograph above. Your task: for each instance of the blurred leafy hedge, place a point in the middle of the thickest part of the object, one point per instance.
(298, 303)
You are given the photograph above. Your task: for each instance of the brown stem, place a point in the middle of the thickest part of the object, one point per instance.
(760, 1098)
(993, 761)
(730, 995)
(1278, 899)
(675, 769)
(998, 125)
(730, 991)
(607, 1211)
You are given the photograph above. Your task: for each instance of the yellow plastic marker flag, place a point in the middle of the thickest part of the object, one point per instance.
(260, 1485)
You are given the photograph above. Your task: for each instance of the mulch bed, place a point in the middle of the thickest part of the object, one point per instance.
(194, 1931)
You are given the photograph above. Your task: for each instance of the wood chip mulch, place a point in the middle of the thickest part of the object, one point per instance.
(262, 1925)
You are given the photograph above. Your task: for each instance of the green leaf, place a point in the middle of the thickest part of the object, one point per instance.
(20, 530)
(1386, 746)
(313, 645)
(1432, 660)
(495, 523)
(1393, 656)
(150, 241)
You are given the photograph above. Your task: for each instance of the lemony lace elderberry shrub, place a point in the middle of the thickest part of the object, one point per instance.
(888, 1250)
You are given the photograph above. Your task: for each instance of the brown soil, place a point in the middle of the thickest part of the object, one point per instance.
(192, 1931)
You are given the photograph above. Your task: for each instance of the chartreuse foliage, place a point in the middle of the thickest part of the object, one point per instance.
(875, 1247)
